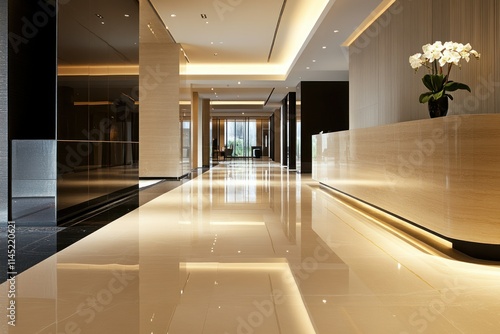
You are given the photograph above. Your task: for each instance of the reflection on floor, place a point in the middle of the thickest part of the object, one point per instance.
(248, 247)
(38, 236)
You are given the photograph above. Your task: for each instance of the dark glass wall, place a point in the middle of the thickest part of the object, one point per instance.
(32, 70)
(4, 151)
(97, 109)
(324, 107)
(32, 27)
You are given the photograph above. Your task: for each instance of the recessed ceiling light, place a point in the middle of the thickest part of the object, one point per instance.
(206, 22)
(307, 67)
(126, 15)
(99, 16)
(336, 31)
(212, 43)
(314, 60)
(173, 15)
(212, 88)
(324, 47)
(239, 82)
(242, 114)
(102, 22)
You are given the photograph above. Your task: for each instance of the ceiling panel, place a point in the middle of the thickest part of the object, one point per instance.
(232, 32)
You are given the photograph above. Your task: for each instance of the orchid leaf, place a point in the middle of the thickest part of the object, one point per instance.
(425, 97)
(427, 80)
(437, 82)
(434, 82)
(452, 86)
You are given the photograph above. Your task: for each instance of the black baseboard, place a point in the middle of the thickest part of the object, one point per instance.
(78, 212)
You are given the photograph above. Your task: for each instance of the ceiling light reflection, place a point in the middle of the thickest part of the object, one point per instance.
(238, 223)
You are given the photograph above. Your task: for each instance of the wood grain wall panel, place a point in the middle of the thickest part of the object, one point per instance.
(384, 88)
(440, 14)
(363, 97)
(474, 22)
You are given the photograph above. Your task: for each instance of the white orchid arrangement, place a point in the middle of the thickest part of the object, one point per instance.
(439, 58)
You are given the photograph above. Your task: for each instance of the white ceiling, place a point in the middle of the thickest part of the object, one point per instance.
(231, 52)
(263, 48)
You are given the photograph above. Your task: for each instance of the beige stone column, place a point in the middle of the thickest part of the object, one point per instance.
(205, 131)
(200, 131)
(195, 120)
(160, 151)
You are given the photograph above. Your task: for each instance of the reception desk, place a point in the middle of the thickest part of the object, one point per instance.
(441, 174)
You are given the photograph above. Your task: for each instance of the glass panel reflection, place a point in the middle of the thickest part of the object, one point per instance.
(98, 105)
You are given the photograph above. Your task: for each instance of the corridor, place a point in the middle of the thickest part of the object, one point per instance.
(249, 247)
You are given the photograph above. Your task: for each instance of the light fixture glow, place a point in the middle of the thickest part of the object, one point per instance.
(377, 12)
(303, 18)
(225, 103)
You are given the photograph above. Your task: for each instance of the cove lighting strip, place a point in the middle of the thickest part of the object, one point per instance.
(377, 12)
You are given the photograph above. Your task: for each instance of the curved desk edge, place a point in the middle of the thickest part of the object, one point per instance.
(440, 175)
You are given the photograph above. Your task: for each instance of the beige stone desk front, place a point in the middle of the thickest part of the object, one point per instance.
(441, 174)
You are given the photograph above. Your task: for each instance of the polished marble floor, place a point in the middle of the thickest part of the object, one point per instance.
(249, 247)
(38, 235)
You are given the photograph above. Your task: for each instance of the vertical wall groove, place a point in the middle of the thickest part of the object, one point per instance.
(384, 88)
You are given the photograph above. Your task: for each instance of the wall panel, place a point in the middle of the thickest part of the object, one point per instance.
(160, 129)
(97, 106)
(4, 159)
(384, 88)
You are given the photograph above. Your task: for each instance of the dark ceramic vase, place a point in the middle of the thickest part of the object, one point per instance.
(438, 108)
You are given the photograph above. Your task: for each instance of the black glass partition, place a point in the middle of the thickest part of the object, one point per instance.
(98, 104)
